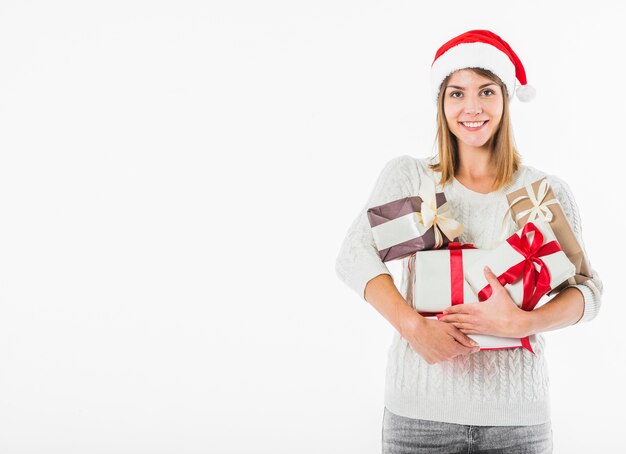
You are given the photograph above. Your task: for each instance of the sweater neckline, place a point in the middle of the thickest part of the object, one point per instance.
(488, 195)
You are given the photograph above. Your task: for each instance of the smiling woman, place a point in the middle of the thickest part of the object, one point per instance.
(442, 393)
(475, 95)
(472, 109)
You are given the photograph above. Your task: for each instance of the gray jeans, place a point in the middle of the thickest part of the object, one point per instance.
(401, 435)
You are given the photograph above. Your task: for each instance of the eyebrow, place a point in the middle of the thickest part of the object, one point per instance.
(461, 88)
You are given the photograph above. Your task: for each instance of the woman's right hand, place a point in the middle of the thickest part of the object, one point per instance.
(437, 341)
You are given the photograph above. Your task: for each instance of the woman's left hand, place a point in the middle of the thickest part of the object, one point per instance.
(496, 316)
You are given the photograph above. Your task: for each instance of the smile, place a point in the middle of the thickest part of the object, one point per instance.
(473, 125)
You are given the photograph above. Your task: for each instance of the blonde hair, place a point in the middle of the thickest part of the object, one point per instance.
(504, 153)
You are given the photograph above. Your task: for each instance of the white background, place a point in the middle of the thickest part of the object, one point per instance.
(175, 182)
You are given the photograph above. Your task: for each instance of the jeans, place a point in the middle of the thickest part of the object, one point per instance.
(401, 435)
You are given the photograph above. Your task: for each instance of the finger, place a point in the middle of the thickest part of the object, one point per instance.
(469, 331)
(463, 339)
(457, 309)
(492, 278)
(467, 351)
(452, 309)
(451, 318)
(463, 326)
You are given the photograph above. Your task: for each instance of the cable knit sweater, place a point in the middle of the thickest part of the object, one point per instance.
(491, 387)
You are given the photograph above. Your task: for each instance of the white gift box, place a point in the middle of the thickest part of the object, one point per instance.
(486, 342)
(503, 257)
(500, 343)
(432, 281)
(432, 286)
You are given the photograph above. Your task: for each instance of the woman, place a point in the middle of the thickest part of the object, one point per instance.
(442, 393)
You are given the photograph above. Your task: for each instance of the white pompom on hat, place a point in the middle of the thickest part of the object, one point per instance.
(481, 49)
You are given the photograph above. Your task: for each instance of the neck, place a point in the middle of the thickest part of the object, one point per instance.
(475, 163)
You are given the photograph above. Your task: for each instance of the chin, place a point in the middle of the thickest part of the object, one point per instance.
(474, 143)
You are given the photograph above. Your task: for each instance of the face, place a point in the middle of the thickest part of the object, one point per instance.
(473, 107)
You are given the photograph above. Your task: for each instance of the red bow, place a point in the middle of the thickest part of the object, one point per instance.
(536, 283)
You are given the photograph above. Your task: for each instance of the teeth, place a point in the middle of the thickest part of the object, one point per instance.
(473, 124)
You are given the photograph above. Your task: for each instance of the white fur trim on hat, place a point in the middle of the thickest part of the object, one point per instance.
(473, 55)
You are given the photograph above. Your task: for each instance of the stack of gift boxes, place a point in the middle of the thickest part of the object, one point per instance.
(542, 257)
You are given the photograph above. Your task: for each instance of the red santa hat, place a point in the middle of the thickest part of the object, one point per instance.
(482, 49)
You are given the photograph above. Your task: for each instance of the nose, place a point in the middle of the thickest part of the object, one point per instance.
(473, 105)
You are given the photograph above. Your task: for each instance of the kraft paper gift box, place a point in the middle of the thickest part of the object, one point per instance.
(531, 258)
(537, 201)
(438, 282)
(404, 226)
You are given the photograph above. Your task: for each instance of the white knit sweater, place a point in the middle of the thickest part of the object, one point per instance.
(491, 387)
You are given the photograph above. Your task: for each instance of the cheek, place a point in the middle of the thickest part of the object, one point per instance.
(499, 110)
(450, 114)
(498, 117)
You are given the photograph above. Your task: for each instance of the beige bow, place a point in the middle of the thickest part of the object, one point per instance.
(540, 207)
(439, 217)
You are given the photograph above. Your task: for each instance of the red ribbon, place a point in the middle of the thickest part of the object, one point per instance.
(457, 278)
(536, 282)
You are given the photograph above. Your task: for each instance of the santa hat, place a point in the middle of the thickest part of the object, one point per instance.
(482, 49)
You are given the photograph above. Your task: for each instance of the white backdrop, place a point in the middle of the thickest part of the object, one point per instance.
(175, 182)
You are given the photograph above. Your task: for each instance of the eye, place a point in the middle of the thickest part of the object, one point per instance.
(492, 92)
(455, 93)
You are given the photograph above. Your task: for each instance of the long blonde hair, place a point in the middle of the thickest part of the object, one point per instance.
(504, 152)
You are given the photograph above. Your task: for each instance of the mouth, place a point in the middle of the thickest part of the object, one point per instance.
(473, 125)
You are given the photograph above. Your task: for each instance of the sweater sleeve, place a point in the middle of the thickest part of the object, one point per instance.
(591, 289)
(358, 261)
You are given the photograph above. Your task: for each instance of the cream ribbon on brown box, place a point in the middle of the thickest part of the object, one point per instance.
(439, 217)
(398, 230)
